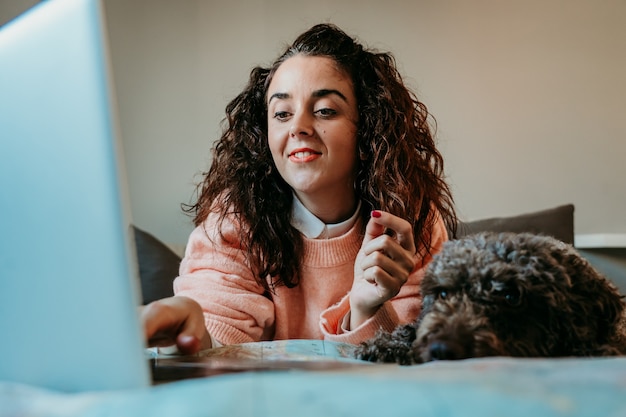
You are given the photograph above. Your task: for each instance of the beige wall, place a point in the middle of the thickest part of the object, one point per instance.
(530, 96)
(12, 8)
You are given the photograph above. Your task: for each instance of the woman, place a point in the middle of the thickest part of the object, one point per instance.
(324, 202)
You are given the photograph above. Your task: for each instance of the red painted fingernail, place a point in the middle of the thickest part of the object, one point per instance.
(376, 213)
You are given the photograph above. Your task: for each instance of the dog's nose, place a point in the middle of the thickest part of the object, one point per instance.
(440, 351)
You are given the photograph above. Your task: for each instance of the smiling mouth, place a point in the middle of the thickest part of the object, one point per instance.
(304, 156)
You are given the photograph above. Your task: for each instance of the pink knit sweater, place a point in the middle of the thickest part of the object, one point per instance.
(214, 272)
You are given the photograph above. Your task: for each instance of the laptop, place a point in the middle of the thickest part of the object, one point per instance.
(69, 286)
(69, 289)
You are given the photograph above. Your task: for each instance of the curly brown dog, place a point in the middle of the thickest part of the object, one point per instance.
(507, 294)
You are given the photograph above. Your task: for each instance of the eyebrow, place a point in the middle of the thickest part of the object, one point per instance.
(327, 92)
(317, 93)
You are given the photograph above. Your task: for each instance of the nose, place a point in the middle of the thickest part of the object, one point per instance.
(440, 351)
(302, 125)
(446, 350)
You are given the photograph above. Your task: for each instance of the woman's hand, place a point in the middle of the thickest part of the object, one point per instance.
(175, 321)
(383, 265)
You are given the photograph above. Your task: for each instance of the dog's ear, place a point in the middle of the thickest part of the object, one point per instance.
(598, 301)
(441, 272)
(427, 305)
(427, 291)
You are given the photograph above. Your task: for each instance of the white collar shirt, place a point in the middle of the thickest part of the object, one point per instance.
(313, 228)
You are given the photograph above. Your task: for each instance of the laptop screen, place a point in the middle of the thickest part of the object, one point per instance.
(68, 287)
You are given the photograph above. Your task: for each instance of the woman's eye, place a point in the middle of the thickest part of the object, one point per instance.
(325, 112)
(281, 115)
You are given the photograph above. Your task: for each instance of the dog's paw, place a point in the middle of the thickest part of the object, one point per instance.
(386, 349)
(368, 352)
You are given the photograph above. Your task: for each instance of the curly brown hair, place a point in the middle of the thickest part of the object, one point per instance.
(400, 171)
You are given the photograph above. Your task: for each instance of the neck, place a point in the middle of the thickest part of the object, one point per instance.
(330, 209)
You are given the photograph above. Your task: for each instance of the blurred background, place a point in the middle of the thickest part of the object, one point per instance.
(529, 96)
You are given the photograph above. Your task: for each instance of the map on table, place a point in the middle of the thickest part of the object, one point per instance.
(305, 350)
(256, 356)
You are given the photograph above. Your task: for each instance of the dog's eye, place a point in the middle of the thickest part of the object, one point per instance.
(512, 296)
(503, 292)
(442, 294)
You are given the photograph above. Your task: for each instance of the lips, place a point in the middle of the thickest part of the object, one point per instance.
(304, 155)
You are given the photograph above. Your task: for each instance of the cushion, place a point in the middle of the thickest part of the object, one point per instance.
(557, 222)
(158, 266)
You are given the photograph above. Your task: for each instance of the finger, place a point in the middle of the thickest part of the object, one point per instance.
(375, 226)
(382, 222)
(174, 320)
(188, 344)
(387, 247)
(193, 336)
(378, 265)
(385, 285)
(158, 323)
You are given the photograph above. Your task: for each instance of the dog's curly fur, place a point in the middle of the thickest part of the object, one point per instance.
(506, 294)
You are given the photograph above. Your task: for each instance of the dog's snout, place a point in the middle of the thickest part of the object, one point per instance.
(439, 351)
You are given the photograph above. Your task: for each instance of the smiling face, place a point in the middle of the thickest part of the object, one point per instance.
(312, 124)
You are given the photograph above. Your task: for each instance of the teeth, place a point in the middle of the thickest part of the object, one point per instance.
(302, 154)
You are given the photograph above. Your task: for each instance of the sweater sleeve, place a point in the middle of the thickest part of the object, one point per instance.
(403, 308)
(214, 273)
